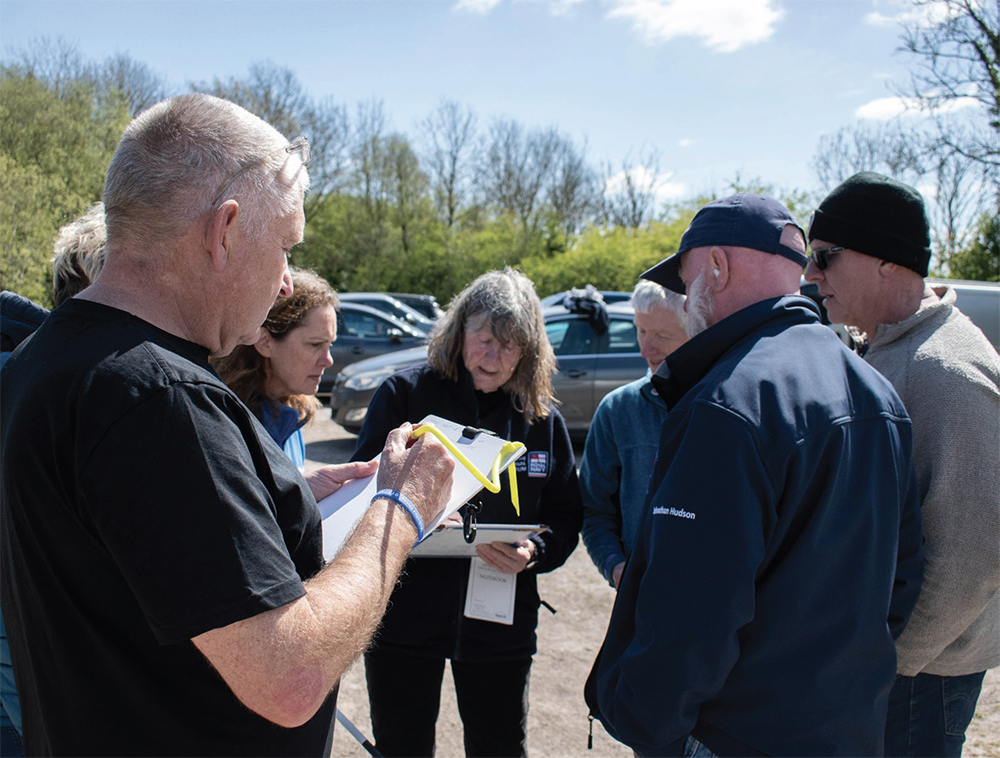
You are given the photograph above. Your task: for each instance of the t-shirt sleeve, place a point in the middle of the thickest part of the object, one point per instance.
(190, 512)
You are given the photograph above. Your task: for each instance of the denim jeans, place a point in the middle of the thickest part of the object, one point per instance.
(694, 749)
(928, 714)
(10, 743)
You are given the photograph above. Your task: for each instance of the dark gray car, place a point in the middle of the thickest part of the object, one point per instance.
(591, 363)
(364, 332)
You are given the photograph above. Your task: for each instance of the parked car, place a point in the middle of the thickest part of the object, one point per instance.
(610, 296)
(391, 305)
(364, 332)
(591, 364)
(426, 305)
(980, 301)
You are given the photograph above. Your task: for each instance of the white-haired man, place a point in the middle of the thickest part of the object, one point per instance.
(871, 248)
(163, 579)
(756, 612)
(624, 436)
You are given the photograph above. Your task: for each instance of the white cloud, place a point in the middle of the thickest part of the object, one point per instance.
(663, 188)
(904, 13)
(887, 108)
(724, 25)
(686, 142)
(563, 7)
(477, 6)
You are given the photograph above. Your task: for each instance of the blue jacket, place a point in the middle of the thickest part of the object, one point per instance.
(779, 553)
(618, 460)
(285, 427)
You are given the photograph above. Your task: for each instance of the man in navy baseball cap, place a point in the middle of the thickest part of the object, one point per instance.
(743, 220)
(779, 526)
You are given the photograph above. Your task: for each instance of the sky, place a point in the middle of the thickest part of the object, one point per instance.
(717, 88)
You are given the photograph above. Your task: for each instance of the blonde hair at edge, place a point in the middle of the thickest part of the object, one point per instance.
(505, 301)
(78, 254)
(246, 371)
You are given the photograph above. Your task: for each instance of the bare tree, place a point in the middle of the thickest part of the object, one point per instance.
(56, 63)
(409, 186)
(957, 45)
(270, 91)
(628, 192)
(372, 174)
(136, 81)
(451, 129)
(515, 168)
(573, 195)
(882, 147)
(328, 128)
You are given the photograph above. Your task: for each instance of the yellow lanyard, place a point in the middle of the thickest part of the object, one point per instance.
(493, 483)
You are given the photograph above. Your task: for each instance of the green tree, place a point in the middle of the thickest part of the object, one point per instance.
(55, 146)
(980, 260)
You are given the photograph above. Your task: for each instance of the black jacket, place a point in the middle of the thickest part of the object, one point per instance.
(426, 611)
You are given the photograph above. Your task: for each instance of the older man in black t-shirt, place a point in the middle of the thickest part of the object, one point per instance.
(163, 580)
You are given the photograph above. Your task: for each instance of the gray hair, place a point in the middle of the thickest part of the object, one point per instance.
(78, 254)
(648, 296)
(506, 301)
(176, 156)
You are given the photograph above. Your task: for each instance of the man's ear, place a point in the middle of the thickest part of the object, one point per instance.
(265, 343)
(220, 233)
(887, 268)
(718, 263)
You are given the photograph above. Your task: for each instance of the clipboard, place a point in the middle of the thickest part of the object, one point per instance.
(342, 510)
(448, 540)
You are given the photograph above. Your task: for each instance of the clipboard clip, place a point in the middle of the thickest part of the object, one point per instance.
(472, 510)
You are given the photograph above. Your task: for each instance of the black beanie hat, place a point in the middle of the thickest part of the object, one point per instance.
(877, 216)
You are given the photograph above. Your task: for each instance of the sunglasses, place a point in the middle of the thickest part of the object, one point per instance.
(822, 257)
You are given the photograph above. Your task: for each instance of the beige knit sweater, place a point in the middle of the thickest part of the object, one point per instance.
(948, 376)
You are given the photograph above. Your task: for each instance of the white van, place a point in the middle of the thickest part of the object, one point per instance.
(980, 301)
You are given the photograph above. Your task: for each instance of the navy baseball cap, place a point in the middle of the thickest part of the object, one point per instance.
(742, 220)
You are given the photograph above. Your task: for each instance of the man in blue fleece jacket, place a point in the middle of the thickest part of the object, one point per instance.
(779, 550)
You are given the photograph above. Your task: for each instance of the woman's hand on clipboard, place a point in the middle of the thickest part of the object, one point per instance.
(508, 559)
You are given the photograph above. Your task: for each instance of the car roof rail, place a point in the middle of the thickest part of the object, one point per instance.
(589, 302)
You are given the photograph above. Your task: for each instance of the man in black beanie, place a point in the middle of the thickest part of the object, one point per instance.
(870, 246)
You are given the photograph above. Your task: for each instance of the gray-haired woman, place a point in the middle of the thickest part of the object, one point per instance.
(489, 366)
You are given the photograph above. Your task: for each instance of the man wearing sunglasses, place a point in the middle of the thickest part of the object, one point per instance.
(870, 243)
(779, 547)
(163, 581)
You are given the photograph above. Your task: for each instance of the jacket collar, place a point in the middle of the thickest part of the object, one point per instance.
(689, 363)
(930, 307)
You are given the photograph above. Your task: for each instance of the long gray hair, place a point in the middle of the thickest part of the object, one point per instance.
(506, 302)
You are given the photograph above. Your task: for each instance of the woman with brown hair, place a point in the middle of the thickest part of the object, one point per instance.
(277, 377)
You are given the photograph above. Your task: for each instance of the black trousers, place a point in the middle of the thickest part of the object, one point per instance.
(404, 692)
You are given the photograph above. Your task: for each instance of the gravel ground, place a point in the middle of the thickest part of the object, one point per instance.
(567, 642)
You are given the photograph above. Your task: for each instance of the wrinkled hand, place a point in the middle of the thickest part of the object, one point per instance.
(509, 559)
(325, 481)
(421, 469)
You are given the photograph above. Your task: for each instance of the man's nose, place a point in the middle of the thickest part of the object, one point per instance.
(813, 274)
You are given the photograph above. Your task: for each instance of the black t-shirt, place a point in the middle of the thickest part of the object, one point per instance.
(142, 505)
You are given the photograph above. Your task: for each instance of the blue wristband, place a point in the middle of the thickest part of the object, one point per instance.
(407, 505)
